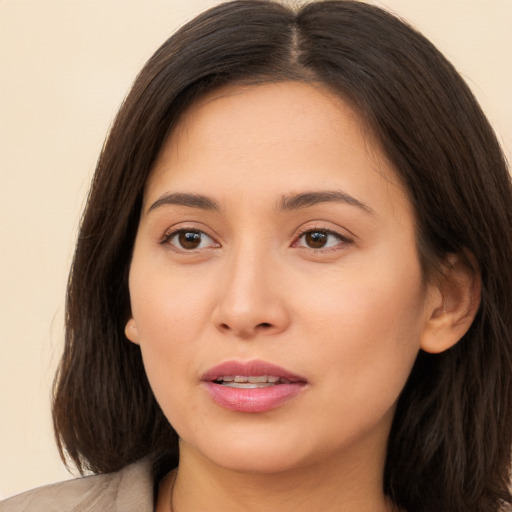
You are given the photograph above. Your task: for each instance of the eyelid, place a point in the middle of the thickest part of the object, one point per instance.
(171, 232)
(344, 239)
(174, 230)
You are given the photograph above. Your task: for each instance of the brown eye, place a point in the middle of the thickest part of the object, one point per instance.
(316, 239)
(189, 240)
(321, 239)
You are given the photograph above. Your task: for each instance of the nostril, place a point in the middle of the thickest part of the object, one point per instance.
(245, 331)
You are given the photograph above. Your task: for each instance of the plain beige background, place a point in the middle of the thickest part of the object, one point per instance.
(65, 66)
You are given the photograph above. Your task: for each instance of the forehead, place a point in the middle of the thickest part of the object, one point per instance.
(308, 105)
(272, 138)
(287, 111)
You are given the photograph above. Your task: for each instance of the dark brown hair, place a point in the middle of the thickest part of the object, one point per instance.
(449, 447)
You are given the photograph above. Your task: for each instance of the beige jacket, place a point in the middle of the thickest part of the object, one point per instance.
(129, 490)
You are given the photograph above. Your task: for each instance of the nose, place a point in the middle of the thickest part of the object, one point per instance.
(252, 299)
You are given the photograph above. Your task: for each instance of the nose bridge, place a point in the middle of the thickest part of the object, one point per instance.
(249, 298)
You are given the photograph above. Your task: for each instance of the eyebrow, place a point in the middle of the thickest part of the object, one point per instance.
(307, 199)
(287, 203)
(189, 200)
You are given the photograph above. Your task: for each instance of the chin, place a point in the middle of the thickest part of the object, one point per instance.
(256, 452)
(258, 461)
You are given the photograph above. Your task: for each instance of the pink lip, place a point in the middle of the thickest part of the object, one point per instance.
(252, 400)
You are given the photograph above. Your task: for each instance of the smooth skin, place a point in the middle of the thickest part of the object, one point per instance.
(300, 251)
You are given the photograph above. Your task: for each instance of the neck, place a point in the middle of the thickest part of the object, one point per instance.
(337, 484)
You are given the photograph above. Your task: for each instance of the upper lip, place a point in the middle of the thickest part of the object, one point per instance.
(250, 368)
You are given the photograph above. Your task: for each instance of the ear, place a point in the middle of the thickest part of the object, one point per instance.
(455, 298)
(131, 332)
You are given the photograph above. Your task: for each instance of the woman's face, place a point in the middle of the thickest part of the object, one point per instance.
(276, 241)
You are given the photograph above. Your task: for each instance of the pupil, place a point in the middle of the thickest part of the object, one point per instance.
(189, 239)
(316, 239)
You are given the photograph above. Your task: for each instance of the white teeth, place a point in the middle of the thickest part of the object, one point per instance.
(247, 385)
(257, 380)
(253, 379)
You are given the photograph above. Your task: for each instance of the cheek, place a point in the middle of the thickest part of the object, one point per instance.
(168, 332)
(170, 311)
(367, 325)
(167, 305)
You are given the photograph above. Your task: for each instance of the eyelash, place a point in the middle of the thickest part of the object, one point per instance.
(342, 240)
(167, 239)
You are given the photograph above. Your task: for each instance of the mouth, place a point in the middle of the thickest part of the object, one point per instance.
(251, 382)
(252, 386)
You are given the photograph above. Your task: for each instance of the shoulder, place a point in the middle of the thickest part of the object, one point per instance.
(128, 490)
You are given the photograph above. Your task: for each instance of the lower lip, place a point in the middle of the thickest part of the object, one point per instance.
(253, 399)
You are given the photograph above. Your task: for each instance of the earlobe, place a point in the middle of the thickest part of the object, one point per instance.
(455, 303)
(131, 332)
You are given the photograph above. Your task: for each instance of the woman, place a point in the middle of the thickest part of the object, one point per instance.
(292, 286)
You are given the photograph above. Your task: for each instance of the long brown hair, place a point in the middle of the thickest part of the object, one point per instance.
(449, 447)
